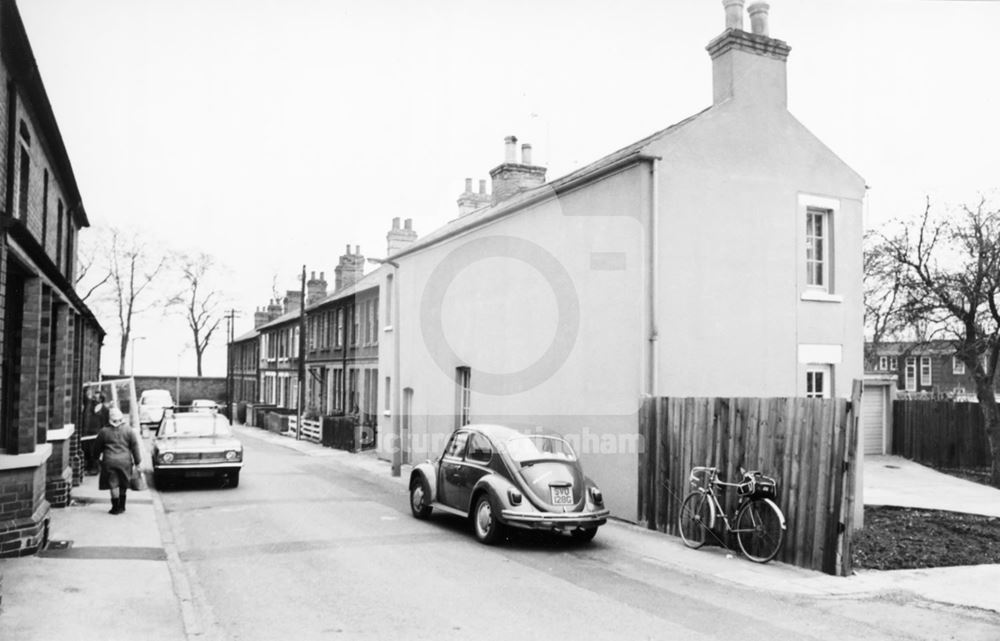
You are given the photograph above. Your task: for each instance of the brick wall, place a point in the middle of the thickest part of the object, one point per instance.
(29, 382)
(24, 512)
(191, 387)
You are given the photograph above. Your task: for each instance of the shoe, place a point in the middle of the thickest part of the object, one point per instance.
(116, 507)
(121, 501)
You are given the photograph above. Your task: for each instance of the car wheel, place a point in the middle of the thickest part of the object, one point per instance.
(159, 480)
(420, 498)
(584, 535)
(484, 521)
(233, 479)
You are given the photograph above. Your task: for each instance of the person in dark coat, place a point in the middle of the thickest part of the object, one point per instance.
(118, 448)
(96, 417)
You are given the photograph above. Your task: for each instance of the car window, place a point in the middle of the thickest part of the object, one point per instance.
(156, 398)
(530, 448)
(480, 449)
(193, 425)
(457, 445)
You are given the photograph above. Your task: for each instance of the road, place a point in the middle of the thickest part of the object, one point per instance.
(309, 548)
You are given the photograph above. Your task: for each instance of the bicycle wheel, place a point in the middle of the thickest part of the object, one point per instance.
(759, 530)
(695, 519)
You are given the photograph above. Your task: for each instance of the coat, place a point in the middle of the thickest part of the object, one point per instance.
(97, 417)
(118, 448)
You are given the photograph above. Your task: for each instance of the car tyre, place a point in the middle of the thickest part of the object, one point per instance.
(420, 498)
(160, 481)
(233, 479)
(488, 529)
(584, 535)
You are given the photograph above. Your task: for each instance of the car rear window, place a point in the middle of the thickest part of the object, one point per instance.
(156, 398)
(534, 448)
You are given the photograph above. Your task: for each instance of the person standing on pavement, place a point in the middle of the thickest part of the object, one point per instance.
(118, 448)
(96, 418)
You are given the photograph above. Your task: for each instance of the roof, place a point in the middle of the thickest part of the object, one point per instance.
(253, 333)
(915, 348)
(20, 61)
(520, 201)
(366, 282)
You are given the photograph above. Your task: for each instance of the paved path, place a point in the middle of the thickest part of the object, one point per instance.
(894, 480)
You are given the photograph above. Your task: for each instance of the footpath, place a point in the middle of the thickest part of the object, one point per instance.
(109, 577)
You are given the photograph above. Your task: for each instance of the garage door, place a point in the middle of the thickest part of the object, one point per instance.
(873, 419)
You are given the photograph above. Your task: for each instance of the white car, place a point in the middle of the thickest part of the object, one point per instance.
(204, 405)
(151, 406)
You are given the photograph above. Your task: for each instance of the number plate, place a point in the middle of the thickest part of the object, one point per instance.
(562, 495)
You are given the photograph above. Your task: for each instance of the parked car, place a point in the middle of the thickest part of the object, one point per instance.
(152, 402)
(500, 478)
(196, 445)
(204, 405)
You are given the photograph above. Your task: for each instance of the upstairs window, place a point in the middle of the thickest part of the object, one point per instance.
(911, 374)
(957, 366)
(817, 248)
(818, 381)
(23, 172)
(463, 377)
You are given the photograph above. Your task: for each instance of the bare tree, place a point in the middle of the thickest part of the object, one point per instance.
(199, 302)
(882, 297)
(132, 267)
(92, 271)
(949, 281)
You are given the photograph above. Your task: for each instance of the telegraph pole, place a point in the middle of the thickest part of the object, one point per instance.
(230, 316)
(302, 356)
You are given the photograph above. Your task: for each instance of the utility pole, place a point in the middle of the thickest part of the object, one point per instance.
(302, 356)
(230, 316)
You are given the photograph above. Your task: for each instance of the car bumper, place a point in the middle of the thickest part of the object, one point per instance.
(215, 467)
(554, 521)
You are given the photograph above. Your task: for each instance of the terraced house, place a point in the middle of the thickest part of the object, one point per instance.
(50, 340)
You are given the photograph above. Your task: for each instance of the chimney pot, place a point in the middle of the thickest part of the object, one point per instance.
(322, 275)
(312, 275)
(395, 222)
(482, 186)
(510, 149)
(468, 185)
(348, 250)
(734, 14)
(758, 18)
(525, 154)
(357, 250)
(408, 224)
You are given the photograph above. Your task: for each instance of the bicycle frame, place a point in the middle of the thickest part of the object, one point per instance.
(711, 483)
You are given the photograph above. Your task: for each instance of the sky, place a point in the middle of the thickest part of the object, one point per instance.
(271, 133)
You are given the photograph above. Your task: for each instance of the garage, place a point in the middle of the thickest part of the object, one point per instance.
(876, 415)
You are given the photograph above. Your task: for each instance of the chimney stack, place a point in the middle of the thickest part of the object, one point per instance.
(260, 316)
(293, 301)
(274, 309)
(749, 67)
(315, 288)
(469, 201)
(349, 270)
(511, 177)
(399, 239)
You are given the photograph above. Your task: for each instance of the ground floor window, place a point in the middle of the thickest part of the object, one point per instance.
(819, 381)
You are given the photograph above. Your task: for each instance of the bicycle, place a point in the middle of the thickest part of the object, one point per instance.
(759, 522)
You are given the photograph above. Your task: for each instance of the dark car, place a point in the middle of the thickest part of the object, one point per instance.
(500, 478)
(196, 445)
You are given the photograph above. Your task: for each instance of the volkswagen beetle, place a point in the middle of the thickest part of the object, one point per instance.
(501, 478)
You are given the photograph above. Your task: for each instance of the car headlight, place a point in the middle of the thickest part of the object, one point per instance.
(596, 496)
(167, 457)
(232, 455)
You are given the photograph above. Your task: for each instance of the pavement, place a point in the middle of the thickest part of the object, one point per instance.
(117, 567)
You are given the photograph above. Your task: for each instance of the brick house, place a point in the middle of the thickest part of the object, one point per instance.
(50, 340)
(924, 367)
(244, 363)
(342, 335)
(278, 362)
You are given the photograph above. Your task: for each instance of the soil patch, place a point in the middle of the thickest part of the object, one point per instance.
(896, 538)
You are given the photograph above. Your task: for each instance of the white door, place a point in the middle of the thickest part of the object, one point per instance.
(873, 419)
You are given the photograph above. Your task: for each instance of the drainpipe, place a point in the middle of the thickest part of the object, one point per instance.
(654, 206)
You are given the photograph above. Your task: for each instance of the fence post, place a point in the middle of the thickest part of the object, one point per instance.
(846, 523)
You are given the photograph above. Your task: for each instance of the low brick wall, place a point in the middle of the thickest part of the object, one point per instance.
(24, 512)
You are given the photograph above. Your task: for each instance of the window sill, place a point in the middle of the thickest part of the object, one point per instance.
(387, 329)
(22, 461)
(821, 297)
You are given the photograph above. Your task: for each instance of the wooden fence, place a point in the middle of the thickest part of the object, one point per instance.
(808, 445)
(940, 433)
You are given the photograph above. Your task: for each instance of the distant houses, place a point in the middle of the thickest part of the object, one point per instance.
(719, 256)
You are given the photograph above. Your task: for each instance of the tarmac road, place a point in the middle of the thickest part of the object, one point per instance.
(313, 545)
